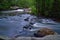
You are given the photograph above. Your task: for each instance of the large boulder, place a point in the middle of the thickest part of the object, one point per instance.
(44, 32)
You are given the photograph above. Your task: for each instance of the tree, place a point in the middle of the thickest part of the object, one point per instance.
(55, 13)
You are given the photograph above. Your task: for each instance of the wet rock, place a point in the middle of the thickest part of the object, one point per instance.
(27, 27)
(4, 37)
(44, 32)
(27, 19)
(1, 39)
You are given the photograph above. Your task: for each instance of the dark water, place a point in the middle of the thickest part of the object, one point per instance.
(13, 25)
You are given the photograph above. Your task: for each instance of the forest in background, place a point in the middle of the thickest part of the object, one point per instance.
(45, 8)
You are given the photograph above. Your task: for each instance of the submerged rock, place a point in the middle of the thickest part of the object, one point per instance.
(44, 32)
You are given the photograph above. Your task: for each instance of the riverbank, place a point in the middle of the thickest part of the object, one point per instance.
(49, 37)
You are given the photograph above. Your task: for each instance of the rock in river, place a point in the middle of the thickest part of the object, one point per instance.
(44, 32)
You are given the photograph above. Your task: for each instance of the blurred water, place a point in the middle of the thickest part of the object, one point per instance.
(13, 25)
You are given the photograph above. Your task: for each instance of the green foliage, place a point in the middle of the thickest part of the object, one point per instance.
(42, 7)
(33, 9)
(21, 3)
(6, 4)
(48, 8)
(3, 4)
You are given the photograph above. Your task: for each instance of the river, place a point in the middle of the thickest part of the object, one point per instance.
(14, 25)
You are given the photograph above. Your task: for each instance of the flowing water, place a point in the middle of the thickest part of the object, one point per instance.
(14, 25)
